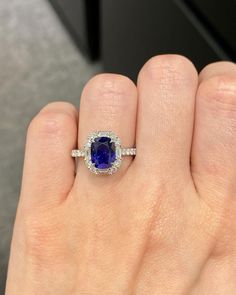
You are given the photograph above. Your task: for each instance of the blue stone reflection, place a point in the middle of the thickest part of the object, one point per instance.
(103, 152)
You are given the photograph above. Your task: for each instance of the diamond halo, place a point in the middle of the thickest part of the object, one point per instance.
(119, 152)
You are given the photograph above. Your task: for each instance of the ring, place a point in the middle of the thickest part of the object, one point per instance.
(103, 153)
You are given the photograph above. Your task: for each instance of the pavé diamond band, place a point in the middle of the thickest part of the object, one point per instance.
(103, 153)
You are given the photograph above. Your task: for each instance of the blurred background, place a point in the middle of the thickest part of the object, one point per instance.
(50, 49)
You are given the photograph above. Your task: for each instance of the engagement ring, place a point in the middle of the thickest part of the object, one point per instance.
(103, 153)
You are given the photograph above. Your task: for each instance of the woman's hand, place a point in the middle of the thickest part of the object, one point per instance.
(165, 223)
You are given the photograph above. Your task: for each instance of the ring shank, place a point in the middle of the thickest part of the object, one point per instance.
(124, 152)
(128, 151)
(77, 153)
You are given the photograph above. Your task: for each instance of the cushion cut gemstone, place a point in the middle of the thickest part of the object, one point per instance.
(103, 152)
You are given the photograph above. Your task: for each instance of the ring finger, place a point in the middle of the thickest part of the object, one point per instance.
(108, 103)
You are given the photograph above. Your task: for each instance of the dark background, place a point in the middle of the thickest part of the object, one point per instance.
(124, 34)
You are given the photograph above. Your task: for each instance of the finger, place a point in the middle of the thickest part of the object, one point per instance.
(167, 85)
(108, 103)
(48, 168)
(214, 142)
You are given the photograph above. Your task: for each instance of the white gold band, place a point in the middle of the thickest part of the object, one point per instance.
(124, 152)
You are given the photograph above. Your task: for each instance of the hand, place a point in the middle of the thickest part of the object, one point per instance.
(162, 224)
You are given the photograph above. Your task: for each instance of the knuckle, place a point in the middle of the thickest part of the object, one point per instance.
(219, 65)
(220, 91)
(50, 123)
(168, 68)
(108, 89)
(60, 105)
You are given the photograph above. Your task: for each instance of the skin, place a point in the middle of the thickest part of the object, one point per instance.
(165, 223)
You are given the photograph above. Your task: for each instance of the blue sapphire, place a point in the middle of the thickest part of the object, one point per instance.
(103, 152)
